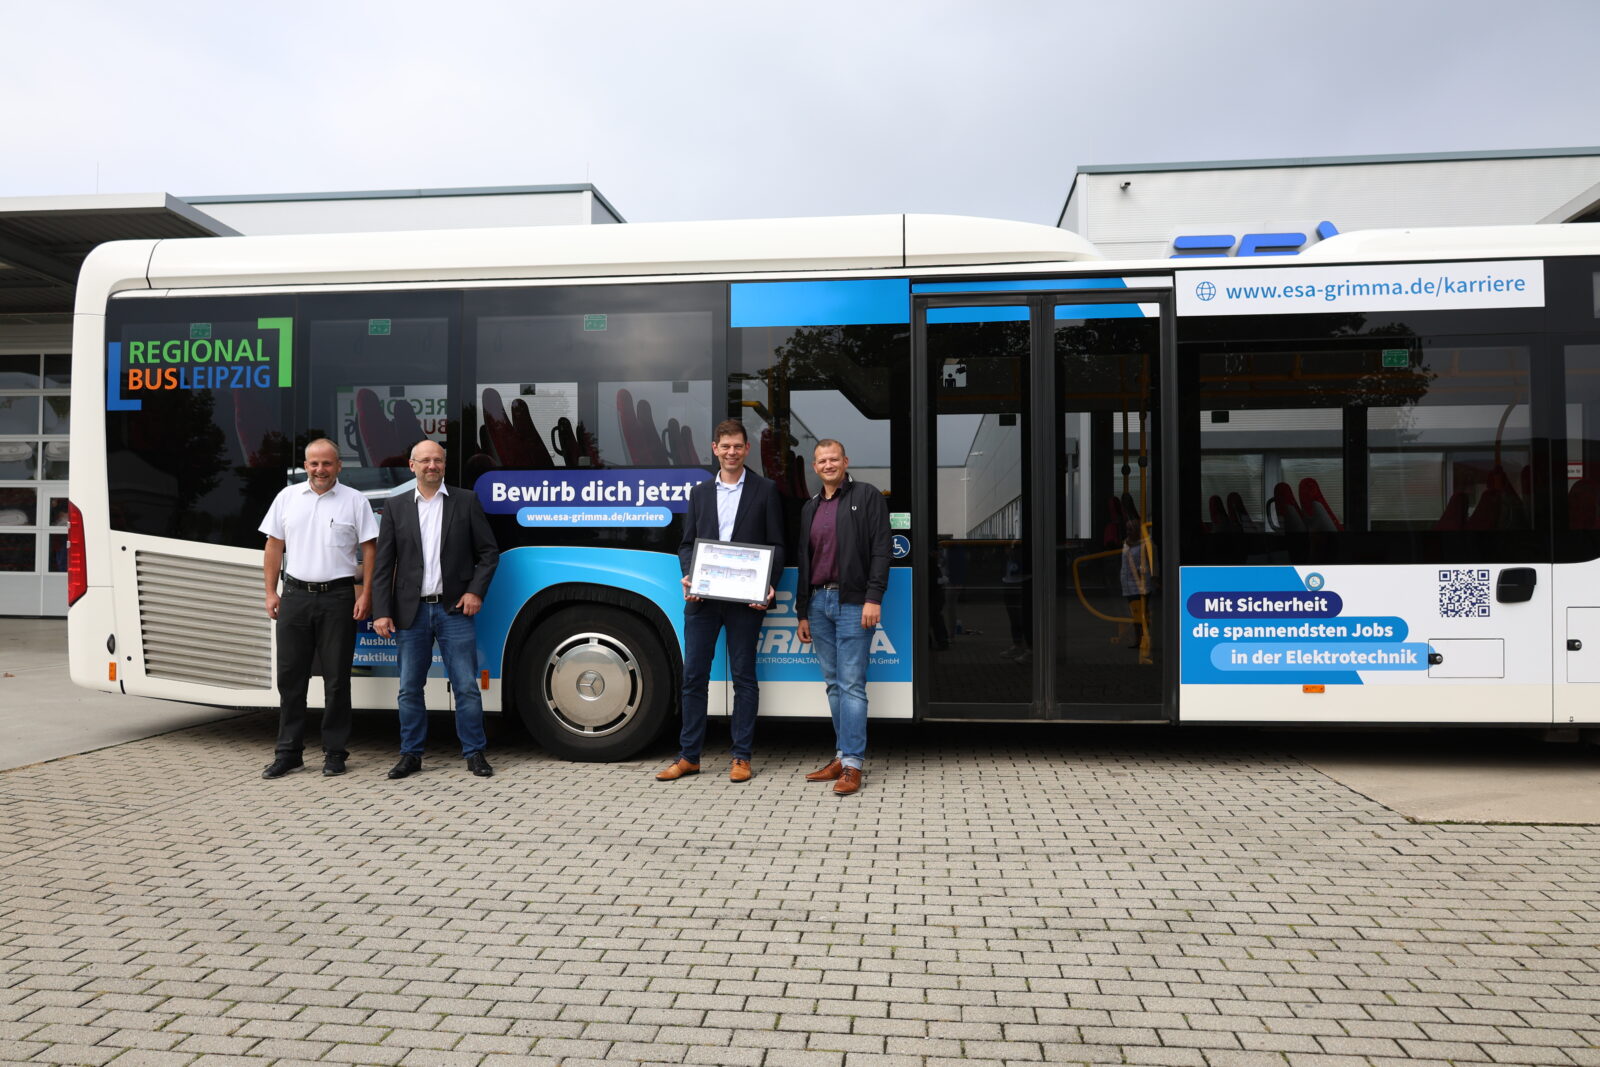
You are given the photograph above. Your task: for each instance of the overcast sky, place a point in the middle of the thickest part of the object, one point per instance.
(684, 110)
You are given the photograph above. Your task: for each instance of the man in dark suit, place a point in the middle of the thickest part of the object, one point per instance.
(737, 505)
(436, 556)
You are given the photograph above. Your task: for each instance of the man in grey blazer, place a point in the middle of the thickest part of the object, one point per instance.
(436, 555)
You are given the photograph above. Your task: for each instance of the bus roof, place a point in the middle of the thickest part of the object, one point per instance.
(865, 242)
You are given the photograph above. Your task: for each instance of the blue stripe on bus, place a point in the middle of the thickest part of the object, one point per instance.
(862, 302)
(1086, 312)
(982, 314)
(1019, 285)
(655, 576)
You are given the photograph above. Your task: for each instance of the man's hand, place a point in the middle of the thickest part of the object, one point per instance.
(805, 631)
(690, 597)
(363, 605)
(273, 600)
(763, 605)
(469, 604)
(383, 627)
(870, 614)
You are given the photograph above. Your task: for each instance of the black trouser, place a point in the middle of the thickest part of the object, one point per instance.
(320, 625)
(701, 623)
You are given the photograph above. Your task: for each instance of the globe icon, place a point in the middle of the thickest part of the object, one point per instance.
(1205, 291)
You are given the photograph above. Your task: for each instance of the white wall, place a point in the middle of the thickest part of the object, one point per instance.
(1141, 221)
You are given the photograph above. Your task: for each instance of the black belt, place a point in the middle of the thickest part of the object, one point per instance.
(434, 599)
(825, 585)
(317, 587)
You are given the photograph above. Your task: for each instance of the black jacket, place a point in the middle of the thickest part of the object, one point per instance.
(759, 520)
(862, 553)
(467, 555)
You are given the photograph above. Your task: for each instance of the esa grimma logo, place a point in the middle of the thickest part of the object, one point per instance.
(262, 361)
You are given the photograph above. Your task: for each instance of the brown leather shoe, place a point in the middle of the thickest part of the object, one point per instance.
(740, 771)
(679, 768)
(849, 781)
(826, 774)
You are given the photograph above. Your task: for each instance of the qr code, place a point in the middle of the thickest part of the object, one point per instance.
(1464, 594)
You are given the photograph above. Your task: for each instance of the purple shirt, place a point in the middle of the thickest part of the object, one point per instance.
(824, 545)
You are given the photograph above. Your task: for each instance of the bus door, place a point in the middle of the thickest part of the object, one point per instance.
(1038, 448)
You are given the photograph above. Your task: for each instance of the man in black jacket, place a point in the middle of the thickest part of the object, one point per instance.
(737, 505)
(436, 555)
(843, 560)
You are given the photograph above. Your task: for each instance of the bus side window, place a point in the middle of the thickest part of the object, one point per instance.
(591, 377)
(1302, 445)
(378, 373)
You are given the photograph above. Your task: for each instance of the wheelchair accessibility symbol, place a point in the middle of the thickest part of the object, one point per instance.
(900, 546)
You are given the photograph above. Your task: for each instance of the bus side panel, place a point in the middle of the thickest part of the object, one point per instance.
(791, 682)
(1413, 644)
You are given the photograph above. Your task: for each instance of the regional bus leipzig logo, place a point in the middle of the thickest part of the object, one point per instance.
(261, 359)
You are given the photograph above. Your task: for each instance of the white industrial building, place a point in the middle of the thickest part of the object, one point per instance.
(1276, 206)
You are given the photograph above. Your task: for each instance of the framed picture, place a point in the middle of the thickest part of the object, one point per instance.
(728, 570)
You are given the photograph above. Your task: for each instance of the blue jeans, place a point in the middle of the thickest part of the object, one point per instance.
(458, 644)
(842, 644)
(701, 624)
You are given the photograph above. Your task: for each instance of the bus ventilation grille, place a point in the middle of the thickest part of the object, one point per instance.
(202, 622)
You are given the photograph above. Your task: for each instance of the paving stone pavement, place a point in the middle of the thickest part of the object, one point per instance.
(995, 895)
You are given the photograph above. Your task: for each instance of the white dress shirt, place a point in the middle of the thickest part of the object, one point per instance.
(728, 504)
(322, 532)
(430, 516)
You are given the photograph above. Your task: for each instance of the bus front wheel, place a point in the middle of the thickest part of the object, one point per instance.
(596, 685)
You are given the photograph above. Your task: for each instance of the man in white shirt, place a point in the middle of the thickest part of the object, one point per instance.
(320, 535)
(436, 557)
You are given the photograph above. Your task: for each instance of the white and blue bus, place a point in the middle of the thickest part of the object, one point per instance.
(1357, 486)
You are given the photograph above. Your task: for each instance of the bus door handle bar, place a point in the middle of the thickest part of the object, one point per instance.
(1515, 585)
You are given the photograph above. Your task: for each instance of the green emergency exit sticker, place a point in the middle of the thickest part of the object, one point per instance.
(899, 520)
(594, 322)
(199, 331)
(377, 327)
(1397, 357)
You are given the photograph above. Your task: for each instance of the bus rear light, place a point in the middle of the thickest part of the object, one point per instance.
(77, 557)
(483, 679)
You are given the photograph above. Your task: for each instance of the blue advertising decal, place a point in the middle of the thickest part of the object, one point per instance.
(586, 498)
(377, 657)
(780, 655)
(1261, 625)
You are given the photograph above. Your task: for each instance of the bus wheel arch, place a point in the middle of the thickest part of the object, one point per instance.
(592, 672)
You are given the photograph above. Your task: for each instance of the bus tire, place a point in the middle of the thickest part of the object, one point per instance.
(595, 684)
